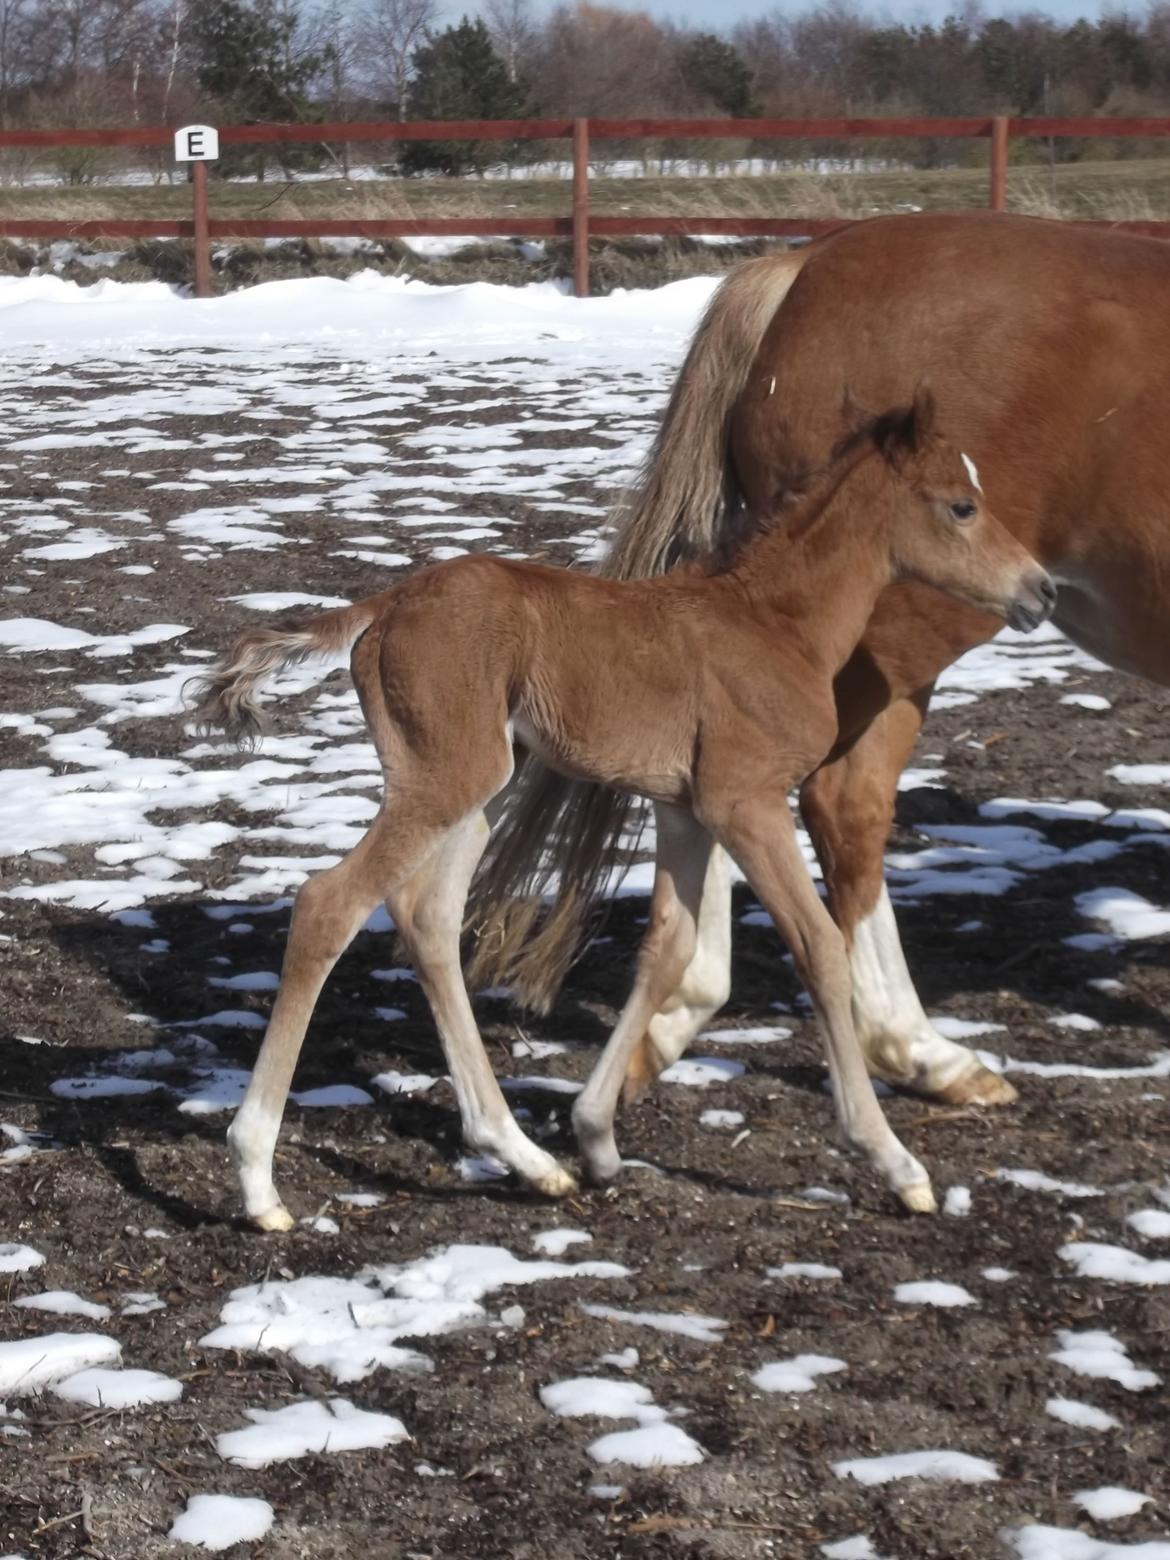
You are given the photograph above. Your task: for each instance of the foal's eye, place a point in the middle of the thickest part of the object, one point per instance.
(963, 509)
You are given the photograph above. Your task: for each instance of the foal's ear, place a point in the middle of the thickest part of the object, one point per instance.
(924, 412)
(906, 431)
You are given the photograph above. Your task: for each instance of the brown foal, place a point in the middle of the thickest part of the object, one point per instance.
(1049, 345)
(711, 693)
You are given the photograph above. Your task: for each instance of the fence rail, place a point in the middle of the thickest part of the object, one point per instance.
(581, 224)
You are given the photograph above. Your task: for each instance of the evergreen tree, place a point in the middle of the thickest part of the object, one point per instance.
(459, 75)
(715, 73)
(247, 62)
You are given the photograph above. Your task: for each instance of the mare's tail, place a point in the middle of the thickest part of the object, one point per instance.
(684, 503)
(226, 697)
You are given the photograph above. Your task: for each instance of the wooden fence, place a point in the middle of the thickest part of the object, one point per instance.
(580, 225)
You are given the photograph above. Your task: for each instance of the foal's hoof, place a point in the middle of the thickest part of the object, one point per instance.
(275, 1222)
(978, 1086)
(557, 1183)
(919, 1198)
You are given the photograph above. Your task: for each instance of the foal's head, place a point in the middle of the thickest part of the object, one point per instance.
(942, 531)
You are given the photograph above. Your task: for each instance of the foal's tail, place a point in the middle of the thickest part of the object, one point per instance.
(226, 697)
(684, 503)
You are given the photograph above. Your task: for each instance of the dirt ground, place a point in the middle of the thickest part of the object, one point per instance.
(698, 1225)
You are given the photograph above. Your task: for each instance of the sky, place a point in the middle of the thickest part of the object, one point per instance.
(718, 14)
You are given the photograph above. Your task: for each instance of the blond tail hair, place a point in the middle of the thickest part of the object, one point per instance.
(683, 505)
(226, 698)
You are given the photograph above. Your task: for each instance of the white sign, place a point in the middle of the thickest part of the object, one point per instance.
(196, 143)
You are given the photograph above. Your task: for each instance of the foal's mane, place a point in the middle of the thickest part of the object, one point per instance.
(809, 490)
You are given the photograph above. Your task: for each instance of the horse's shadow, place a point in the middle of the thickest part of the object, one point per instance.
(1018, 947)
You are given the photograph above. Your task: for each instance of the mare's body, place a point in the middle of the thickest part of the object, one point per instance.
(1049, 345)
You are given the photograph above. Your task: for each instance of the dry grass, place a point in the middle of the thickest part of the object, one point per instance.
(1105, 189)
(1059, 197)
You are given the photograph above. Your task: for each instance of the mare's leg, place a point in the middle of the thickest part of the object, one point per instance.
(848, 807)
(704, 988)
(330, 909)
(760, 834)
(668, 948)
(428, 911)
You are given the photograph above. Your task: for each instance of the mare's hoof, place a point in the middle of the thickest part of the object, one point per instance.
(978, 1086)
(275, 1222)
(919, 1198)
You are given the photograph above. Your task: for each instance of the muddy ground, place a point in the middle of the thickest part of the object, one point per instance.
(698, 1227)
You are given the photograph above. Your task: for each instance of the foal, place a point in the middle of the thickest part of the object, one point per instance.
(709, 693)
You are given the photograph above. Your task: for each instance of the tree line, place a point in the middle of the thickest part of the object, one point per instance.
(108, 62)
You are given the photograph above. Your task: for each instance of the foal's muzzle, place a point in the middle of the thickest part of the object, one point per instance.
(1034, 604)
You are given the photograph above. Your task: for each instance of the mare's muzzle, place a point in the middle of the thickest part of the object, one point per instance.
(1034, 604)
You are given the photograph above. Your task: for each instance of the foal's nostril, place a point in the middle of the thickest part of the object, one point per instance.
(1046, 590)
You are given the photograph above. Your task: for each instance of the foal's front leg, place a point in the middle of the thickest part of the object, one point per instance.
(684, 852)
(761, 836)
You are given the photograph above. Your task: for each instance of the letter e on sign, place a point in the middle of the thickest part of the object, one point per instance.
(196, 143)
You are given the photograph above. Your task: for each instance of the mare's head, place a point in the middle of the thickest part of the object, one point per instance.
(942, 532)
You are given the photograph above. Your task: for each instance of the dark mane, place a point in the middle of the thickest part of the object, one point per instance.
(893, 434)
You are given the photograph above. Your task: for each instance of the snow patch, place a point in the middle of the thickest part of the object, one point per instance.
(554, 1243)
(1109, 1503)
(1092, 1259)
(17, 1258)
(63, 1302)
(1099, 1354)
(701, 1071)
(300, 1429)
(119, 1388)
(1083, 1415)
(959, 1467)
(704, 1329)
(1037, 1542)
(796, 1375)
(219, 1521)
(31, 1364)
(933, 1292)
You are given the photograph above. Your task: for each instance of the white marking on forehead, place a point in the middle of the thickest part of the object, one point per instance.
(972, 472)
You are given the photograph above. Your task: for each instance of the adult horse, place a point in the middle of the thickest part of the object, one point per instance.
(1049, 347)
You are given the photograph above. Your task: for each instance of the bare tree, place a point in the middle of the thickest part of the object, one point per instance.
(335, 42)
(390, 31)
(173, 42)
(513, 32)
(597, 60)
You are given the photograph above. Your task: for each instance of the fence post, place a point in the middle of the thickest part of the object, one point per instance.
(202, 251)
(581, 208)
(999, 161)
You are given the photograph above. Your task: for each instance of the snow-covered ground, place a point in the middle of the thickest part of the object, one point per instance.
(233, 457)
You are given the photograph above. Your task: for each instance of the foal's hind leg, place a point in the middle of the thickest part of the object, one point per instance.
(684, 851)
(760, 834)
(704, 988)
(330, 909)
(848, 807)
(428, 912)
